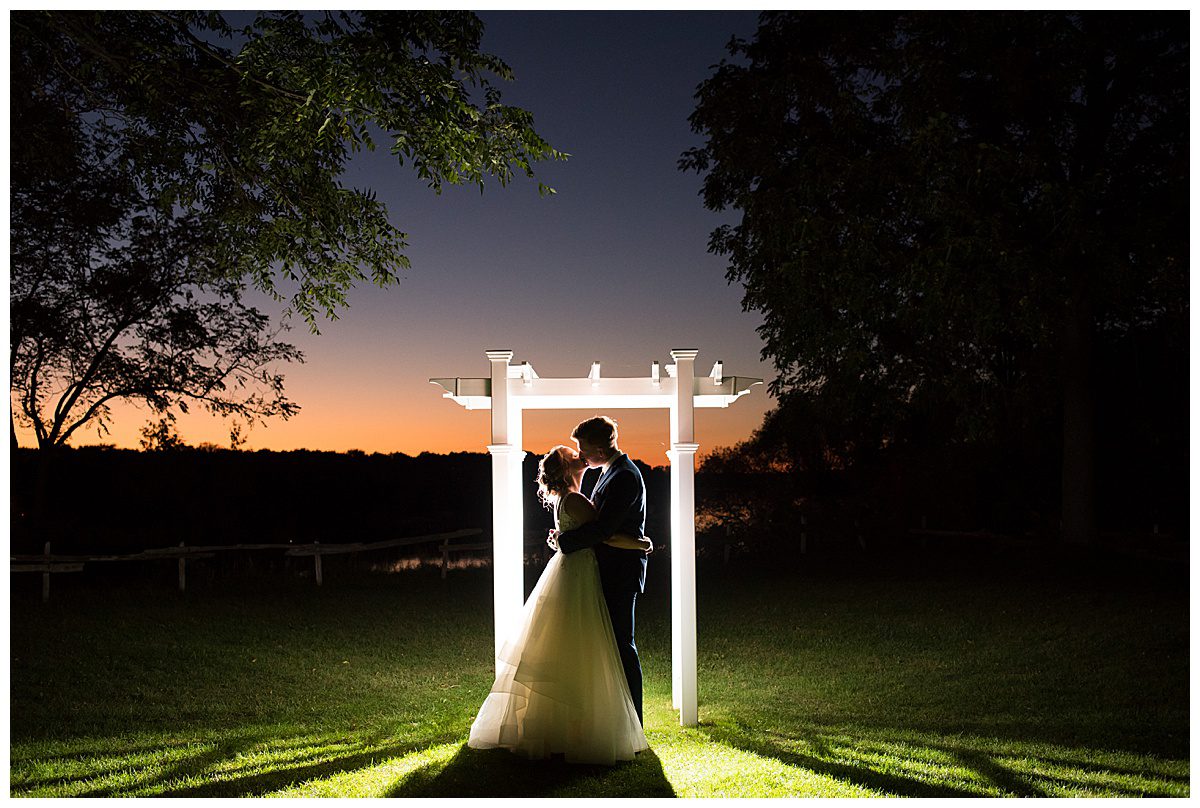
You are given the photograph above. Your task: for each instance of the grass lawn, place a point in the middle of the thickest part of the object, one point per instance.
(865, 683)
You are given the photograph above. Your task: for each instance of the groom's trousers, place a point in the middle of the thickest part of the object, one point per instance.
(621, 607)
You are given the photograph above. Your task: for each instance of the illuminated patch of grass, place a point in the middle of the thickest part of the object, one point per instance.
(809, 687)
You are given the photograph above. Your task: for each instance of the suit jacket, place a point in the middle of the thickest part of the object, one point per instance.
(620, 500)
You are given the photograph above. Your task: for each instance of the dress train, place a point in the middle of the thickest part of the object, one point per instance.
(560, 688)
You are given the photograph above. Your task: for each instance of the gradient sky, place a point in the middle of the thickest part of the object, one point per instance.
(613, 268)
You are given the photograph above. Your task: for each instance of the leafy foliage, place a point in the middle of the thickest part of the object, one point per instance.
(115, 298)
(917, 189)
(941, 213)
(251, 126)
(162, 161)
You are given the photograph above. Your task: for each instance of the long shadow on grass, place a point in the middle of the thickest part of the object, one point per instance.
(1159, 768)
(497, 773)
(1004, 779)
(1156, 783)
(752, 741)
(266, 782)
(985, 763)
(192, 766)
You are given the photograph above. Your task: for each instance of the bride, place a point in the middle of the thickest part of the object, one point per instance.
(560, 687)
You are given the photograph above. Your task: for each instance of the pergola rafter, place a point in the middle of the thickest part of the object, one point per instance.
(511, 389)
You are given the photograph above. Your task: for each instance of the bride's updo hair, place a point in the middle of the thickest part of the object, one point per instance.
(552, 479)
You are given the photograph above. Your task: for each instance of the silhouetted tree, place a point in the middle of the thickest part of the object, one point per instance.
(116, 298)
(161, 159)
(250, 125)
(942, 212)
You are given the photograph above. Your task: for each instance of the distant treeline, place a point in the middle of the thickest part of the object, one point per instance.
(97, 499)
(105, 499)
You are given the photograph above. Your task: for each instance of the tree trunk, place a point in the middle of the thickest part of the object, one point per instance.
(38, 522)
(1078, 414)
(18, 515)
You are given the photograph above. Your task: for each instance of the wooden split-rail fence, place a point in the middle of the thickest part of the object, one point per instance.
(48, 564)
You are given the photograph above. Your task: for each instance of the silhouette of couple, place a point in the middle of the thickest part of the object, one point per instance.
(569, 681)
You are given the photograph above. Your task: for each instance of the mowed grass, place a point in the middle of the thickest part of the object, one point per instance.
(864, 683)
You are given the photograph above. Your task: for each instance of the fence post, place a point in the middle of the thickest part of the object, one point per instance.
(445, 556)
(317, 559)
(46, 575)
(858, 533)
(803, 534)
(182, 573)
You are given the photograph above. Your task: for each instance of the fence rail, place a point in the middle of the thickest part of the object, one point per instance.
(46, 563)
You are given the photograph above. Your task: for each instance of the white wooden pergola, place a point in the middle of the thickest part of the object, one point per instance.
(512, 389)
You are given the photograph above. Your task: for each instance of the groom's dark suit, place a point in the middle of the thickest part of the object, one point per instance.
(620, 500)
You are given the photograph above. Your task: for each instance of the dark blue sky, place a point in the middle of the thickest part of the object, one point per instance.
(613, 268)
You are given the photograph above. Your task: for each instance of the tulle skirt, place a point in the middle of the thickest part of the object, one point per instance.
(560, 688)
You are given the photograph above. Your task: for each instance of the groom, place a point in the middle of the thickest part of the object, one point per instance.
(620, 500)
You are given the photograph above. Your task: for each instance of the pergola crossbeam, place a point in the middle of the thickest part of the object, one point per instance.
(617, 392)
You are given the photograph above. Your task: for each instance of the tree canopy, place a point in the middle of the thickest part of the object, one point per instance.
(251, 125)
(115, 299)
(941, 213)
(162, 161)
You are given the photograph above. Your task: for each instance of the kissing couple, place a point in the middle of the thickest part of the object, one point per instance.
(569, 681)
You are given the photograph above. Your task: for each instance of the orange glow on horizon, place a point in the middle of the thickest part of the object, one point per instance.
(433, 425)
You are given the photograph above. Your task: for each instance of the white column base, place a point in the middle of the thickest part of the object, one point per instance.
(684, 696)
(508, 567)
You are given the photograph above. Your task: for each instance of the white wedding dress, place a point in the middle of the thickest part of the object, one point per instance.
(560, 687)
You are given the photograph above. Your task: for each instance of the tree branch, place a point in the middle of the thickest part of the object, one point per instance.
(203, 47)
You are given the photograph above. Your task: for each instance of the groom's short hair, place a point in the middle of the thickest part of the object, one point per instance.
(598, 431)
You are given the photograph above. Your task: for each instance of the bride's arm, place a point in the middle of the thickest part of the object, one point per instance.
(624, 541)
(622, 492)
(581, 510)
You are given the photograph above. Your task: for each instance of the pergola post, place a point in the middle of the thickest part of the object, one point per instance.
(508, 593)
(512, 390)
(683, 540)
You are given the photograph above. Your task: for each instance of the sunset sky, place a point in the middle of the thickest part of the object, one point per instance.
(613, 268)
